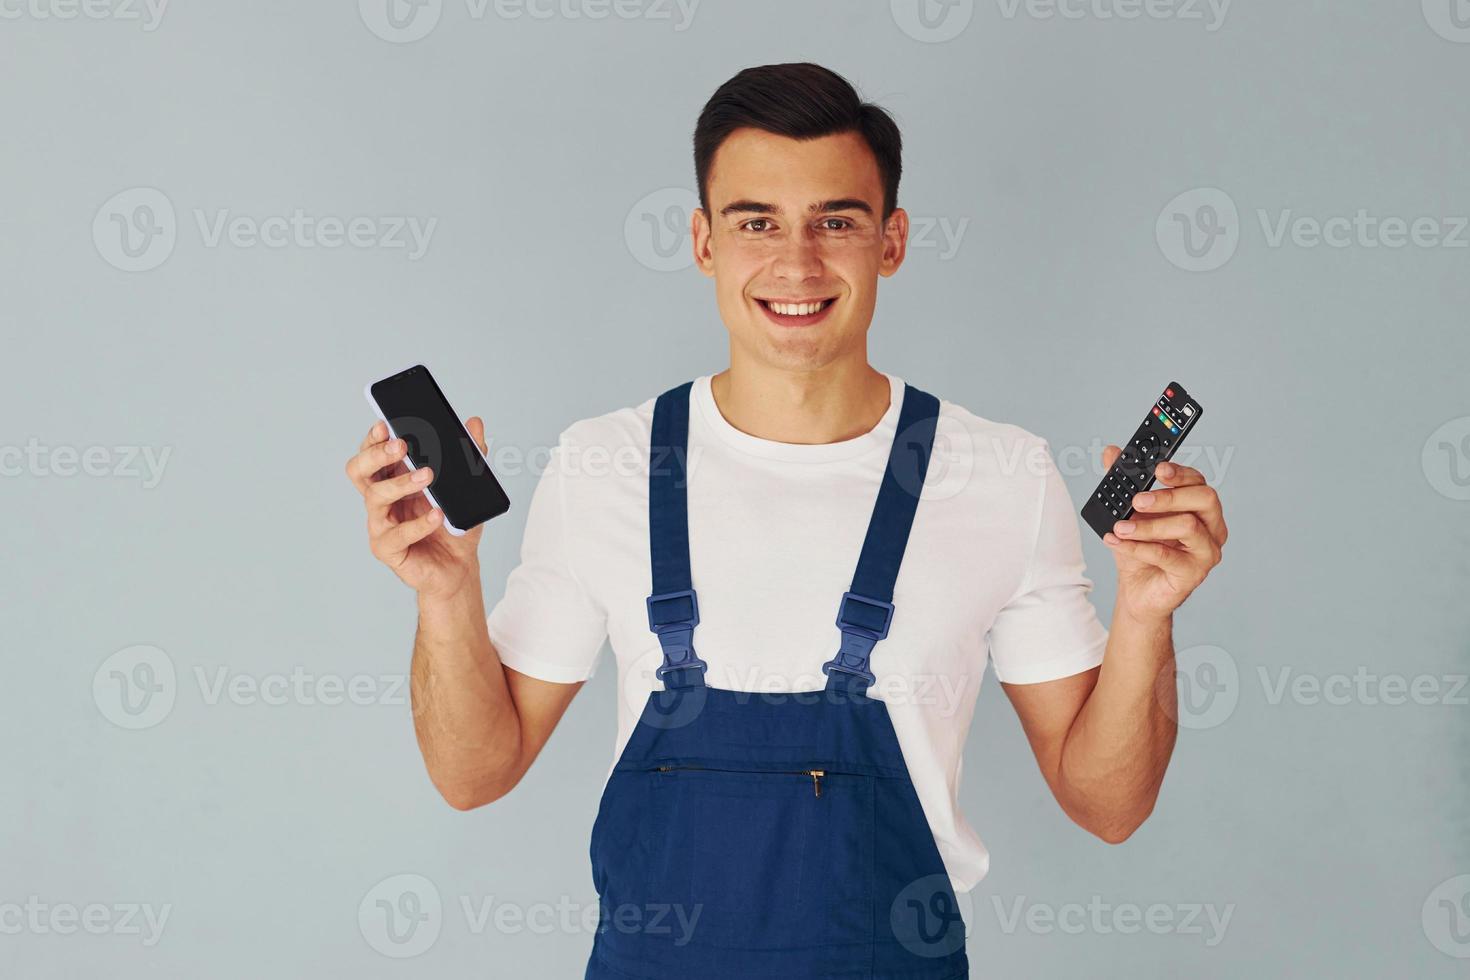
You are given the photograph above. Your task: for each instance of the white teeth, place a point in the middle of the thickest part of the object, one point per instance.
(796, 309)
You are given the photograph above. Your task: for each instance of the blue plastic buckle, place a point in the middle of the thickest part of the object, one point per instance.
(859, 638)
(676, 636)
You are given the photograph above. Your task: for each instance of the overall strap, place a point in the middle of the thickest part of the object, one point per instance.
(866, 610)
(673, 610)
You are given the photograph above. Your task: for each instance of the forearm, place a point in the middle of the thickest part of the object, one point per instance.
(1115, 754)
(464, 716)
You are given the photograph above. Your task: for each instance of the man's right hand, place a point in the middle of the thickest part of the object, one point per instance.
(404, 532)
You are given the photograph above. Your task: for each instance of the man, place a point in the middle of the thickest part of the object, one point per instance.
(812, 834)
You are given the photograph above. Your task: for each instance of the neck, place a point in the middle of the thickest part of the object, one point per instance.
(832, 403)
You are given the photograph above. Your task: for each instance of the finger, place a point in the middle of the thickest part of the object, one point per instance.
(378, 433)
(388, 472)
(1187, 529)
(476, 425)
(391, 546)
(1110, 456)
(1171, 560)
(367, 463)
(1201, 500)
(385, 492)
(1174, 475)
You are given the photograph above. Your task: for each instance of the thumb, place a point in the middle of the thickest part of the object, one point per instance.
(477, 431)
(1110, 456)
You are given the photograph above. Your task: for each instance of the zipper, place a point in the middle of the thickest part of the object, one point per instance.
(815, 774)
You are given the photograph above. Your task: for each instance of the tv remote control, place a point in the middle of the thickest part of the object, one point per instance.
(1163, 429)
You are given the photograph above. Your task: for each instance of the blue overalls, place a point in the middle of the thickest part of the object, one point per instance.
(776, 836)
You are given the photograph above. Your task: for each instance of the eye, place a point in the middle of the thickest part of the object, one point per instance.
(842, 224)
(749, 225)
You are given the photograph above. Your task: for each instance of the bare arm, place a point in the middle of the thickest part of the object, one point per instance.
(479, 724)
(1103, 738)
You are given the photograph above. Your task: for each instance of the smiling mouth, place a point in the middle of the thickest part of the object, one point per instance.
(796, 311)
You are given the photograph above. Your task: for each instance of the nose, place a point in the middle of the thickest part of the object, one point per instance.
(798, 258)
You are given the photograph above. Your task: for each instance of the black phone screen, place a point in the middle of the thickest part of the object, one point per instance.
(420, 415)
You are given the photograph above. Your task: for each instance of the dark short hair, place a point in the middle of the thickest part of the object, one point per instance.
(802, 101)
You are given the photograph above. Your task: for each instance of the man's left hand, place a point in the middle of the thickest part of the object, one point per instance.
(1165, 550)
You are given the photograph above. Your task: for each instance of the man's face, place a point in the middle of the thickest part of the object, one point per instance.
(797, 222)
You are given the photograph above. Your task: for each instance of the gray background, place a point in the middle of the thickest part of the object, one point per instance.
(1333, 380)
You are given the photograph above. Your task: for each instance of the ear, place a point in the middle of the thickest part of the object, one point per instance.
(699, 240)
(895, 242)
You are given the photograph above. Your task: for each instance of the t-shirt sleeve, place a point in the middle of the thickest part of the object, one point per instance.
(547, 624)
(1049, 628)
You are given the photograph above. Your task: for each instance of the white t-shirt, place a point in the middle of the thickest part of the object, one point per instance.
(993, 571)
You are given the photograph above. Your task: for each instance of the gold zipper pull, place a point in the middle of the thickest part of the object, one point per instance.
(817, 775)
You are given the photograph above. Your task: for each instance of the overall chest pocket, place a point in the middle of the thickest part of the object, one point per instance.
(758, 859)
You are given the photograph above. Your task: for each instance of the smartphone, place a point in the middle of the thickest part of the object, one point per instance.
(417, 412)
(1172, 416)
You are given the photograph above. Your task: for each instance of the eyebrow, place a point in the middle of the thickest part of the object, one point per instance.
(821, 207)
